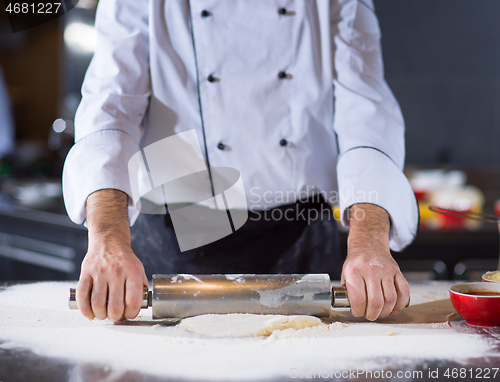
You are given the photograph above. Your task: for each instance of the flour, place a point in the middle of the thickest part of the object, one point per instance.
(36, 316)
(273, 298)
(312, 278)
(178, 278)
(237, 278)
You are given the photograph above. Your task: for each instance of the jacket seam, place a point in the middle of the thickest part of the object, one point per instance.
(372, 148)
(102, 131)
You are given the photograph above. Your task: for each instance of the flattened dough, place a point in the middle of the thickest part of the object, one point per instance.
(245, 325)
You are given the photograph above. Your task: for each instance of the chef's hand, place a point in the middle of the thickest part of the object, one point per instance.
(112, 278)
(375, 286)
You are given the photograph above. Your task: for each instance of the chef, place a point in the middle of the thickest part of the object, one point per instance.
(289, 93)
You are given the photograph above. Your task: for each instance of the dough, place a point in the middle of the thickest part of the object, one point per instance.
(245, 325)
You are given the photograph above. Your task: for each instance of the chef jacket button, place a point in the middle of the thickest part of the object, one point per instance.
(205, 13)
(283, 142)
(285, 12)
(211, 78)
(221, 146)
(282, 76)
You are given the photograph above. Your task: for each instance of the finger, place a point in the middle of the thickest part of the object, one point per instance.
(390, 296)
(83, 290)
(356, 292)
(133, 297)
(403, 291)
(99, 298)
(375, 298)
(116, 300)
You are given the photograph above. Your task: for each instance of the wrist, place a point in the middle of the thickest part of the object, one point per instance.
(369, 222)
(111, 238)
(107, 219)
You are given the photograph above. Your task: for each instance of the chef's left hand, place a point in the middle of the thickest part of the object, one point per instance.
(375, 285)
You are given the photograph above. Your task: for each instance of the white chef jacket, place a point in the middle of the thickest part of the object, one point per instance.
(289, 92)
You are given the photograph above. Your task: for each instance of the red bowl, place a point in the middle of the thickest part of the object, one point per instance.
(487, 280)
(477, 310)
(497, 207)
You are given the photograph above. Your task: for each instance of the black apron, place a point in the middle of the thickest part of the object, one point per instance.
(295, 238)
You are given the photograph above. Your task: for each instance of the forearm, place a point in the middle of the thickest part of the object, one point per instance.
(107, 219)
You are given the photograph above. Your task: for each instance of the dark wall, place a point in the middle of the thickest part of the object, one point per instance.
(442, 61)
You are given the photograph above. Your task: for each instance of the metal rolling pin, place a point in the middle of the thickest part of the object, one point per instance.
(183, 295)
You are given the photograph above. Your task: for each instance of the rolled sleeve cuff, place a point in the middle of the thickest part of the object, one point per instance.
(367, 175)
(96, 162)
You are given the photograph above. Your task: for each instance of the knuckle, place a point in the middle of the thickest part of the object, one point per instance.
(135, 302)
(358, 300)
(98, 306)
(135, 272)
(391, 298)
(98, 299)
(115, 270)
(376, 304)
(100, 270)
(82, 294)
(350, 267)
(358, 307)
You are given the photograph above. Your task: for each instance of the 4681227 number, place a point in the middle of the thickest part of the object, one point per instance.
(33, 8)
(462, 373)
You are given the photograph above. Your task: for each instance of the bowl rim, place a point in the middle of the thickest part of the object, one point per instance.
(476, 285)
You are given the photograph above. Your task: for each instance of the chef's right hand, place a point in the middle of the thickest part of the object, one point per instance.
(375, 285)
(111, 283)
(112, 278)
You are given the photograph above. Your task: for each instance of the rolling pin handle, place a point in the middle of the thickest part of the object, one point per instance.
(150, 298)
(339, 298)
(72, 299)
(146, 299)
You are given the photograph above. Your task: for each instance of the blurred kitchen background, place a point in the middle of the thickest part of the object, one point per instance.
(442, 61)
